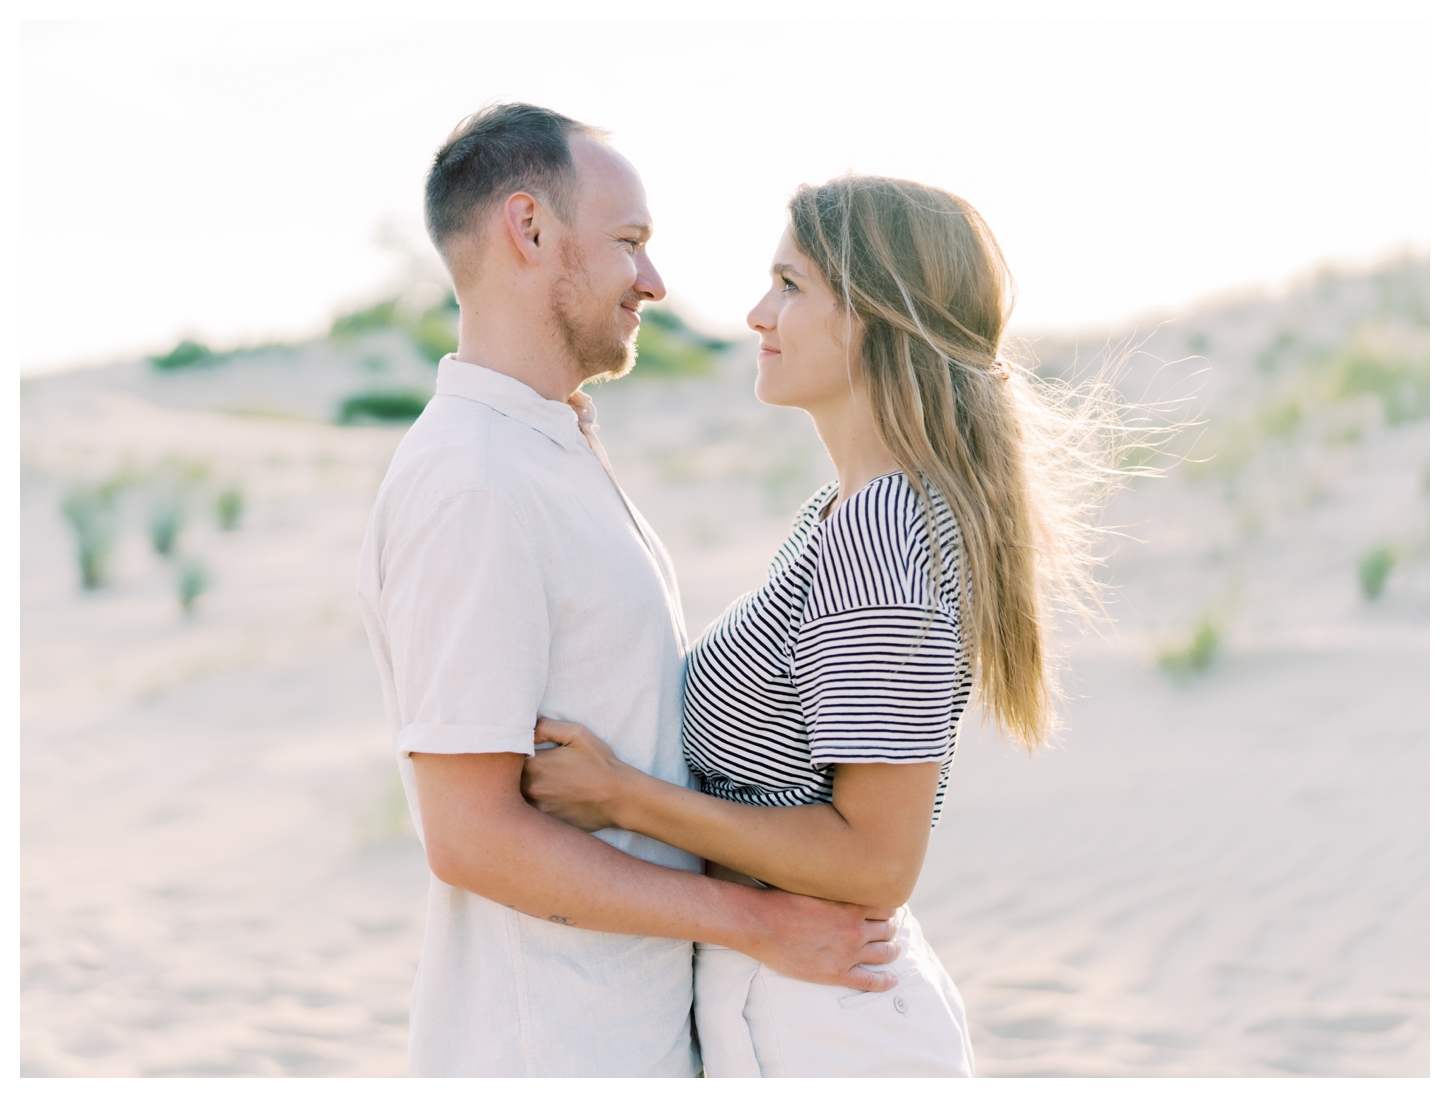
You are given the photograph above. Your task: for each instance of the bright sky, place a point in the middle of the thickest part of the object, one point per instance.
(232, 181)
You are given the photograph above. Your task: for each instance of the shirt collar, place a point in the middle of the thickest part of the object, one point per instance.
(510, 397)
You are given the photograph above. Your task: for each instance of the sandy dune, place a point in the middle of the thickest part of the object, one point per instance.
(1225, 875)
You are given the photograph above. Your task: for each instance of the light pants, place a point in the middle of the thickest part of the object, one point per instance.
(753, 1022)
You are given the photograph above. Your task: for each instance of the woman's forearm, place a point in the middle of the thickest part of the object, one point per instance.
(810, 849)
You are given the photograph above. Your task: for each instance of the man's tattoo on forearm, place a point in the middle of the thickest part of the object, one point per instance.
(562, 920)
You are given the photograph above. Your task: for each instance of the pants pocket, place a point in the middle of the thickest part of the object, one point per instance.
(855, 1000)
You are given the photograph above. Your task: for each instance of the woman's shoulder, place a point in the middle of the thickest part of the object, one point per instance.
(876, 546)
(886, 510)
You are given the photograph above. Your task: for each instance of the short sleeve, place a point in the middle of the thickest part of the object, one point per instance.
(876, 660)
(467, 620)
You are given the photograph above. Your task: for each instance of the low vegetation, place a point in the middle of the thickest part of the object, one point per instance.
(433, 331)
(91, 512)
(1374, 569)
(1332, 386)
(185, 354)
(168, 516)
(229, 508)
(382, 406)
(668, 347)
(192, 580)
(1195, 655)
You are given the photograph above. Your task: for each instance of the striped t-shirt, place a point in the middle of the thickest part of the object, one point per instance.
(848, 654)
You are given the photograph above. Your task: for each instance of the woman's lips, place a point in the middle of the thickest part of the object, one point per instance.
(764, 350)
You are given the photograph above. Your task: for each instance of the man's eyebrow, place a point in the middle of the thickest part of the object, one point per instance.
(641, 231)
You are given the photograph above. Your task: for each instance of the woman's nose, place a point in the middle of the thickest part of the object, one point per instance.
(760, 318)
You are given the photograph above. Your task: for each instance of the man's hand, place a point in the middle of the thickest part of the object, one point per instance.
(825, 942)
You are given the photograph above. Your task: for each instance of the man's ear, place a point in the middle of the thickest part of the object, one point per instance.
(523, 217)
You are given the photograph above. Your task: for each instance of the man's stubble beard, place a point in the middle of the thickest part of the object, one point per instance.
(592, 341)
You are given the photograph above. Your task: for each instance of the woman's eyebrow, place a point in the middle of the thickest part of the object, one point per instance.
(784, 268)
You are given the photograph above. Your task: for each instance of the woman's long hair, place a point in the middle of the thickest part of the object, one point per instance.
(1023, 464)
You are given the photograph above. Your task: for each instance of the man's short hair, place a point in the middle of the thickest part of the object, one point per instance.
(494, 153)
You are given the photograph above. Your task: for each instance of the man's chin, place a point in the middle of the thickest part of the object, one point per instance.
(614, 373)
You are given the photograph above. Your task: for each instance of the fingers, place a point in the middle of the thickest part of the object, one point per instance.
(882, 930)
(879, 953)
(864, 979)
(891, 914)
(552, 731)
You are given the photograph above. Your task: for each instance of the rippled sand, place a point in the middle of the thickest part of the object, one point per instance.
(1226, 876)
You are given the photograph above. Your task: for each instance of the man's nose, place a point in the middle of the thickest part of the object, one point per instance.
(647, 281)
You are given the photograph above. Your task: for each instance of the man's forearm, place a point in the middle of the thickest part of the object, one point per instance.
(482, 836)
(526, 860)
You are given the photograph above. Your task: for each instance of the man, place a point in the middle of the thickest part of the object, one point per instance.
(506, 577)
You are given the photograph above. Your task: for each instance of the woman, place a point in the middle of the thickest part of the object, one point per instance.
(821, 710)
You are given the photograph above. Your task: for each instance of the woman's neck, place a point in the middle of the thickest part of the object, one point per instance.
(849, 431)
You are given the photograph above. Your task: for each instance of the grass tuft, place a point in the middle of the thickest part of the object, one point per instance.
(168, 516)
(1374, 569)
(385, 405)
(186, 353)
(192, 580)
(1196, 655)
(668, 347)
(229, 508)
(91, 512)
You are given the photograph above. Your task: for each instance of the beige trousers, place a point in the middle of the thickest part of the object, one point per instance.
(753, 1022)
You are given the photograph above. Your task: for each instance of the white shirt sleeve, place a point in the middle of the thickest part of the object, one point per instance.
(467, 620)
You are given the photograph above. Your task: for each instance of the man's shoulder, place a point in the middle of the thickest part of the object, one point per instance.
(456, 447)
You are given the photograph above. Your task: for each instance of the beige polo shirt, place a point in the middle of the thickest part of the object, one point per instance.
(504, 576)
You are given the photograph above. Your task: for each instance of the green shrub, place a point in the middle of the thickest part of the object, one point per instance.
(229, 508)
(192, 580)
(379, 404)
(1279, 418)
(1374, 568)
(1402, 384)
(168, 516)
(186, 353)
(373, 318)
(1196, 655)
(668, 347)
(91, 512)
(435, 333)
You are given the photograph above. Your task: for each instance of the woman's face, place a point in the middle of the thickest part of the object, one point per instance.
(803, 358)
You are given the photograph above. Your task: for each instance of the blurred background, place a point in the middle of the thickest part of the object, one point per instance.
(229, 314)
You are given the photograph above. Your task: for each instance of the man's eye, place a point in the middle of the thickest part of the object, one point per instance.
(633, 244)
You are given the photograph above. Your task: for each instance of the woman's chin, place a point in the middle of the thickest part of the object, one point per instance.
(767, 394)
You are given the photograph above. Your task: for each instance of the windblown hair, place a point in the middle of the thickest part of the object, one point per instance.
(1023, 464)
(493, 153)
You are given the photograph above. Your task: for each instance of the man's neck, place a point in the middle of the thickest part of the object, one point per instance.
(524, 348)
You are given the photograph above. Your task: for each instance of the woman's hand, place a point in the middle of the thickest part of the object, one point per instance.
(579, 781)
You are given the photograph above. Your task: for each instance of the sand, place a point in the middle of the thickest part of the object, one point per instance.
(1221, 876)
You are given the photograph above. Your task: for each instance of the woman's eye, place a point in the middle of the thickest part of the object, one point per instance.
(788, 285)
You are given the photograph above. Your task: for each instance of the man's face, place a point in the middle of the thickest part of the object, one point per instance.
(604, 270)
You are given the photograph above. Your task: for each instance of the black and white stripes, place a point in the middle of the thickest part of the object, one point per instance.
(848, 654)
